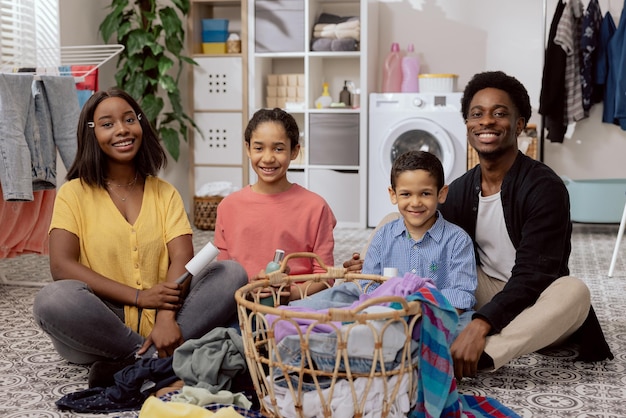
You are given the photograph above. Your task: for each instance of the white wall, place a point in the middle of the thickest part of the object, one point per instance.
(80, 20)
(464, 37)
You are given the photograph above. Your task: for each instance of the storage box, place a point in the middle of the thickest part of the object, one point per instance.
(279, 26)
(214, 47)
(437, 83)
(220, 25)
(596, 201)
(214, 36)
(334, 139)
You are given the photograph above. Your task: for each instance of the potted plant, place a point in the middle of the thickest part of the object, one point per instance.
(153, 36)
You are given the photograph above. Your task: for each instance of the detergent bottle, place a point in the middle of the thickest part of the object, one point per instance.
(410, 71)
(324, 100)
(273, 266)
(392, 71)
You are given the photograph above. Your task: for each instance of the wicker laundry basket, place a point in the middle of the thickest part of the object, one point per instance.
(289, 386)
(205, 211)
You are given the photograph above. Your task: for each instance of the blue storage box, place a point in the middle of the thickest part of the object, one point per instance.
(214, 36)
(596, 201)
(220, 25)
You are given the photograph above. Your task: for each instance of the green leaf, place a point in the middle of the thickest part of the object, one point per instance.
(112, 22)
(182, 5)
(171, 141)
(152, 106)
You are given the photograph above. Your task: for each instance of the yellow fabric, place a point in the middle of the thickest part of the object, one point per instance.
(156, 408)
(135, 255)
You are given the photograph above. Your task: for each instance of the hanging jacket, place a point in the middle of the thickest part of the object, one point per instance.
(552, 97)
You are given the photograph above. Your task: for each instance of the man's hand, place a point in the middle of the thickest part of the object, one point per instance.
(355, 264)
(467, 348)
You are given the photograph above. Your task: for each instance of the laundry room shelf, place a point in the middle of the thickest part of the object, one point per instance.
(333, 160)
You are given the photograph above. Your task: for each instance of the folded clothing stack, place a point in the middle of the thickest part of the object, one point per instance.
(336, 33)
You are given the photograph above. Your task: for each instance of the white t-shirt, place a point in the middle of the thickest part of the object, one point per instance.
(495, 248)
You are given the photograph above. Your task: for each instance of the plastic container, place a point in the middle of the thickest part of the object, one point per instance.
(596, 200)
(220, 25)
(410, 71)
(392, 71)
(437, 83)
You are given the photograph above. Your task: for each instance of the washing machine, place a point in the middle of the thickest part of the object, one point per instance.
(399, 122)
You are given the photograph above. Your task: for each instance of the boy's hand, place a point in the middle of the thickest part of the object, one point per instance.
(355, 264)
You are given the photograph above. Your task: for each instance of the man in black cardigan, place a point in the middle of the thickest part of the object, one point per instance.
(517, 212)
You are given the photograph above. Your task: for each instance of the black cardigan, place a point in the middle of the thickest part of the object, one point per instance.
(536, 209)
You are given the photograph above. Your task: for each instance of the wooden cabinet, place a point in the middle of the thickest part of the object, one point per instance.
(218, 97)
(333, 162)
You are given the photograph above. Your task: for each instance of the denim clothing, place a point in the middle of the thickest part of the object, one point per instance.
(15, 162)
(84, 329)
(37, 118)
(56, 113)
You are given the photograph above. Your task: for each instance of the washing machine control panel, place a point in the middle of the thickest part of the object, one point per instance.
(418, 102)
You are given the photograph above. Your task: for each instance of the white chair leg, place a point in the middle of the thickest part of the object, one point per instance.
(620, 234)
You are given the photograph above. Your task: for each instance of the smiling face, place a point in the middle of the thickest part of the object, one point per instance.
(270, 153)
(493, 123)
(417, 198)
(117, 129)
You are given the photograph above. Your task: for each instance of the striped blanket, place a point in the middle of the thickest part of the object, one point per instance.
(437, 394)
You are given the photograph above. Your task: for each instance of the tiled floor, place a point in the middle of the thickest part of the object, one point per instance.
(549, 384)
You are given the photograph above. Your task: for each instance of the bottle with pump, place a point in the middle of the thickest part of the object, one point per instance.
(410, 71)
(392, 71)
(345, 95)
(273, 266)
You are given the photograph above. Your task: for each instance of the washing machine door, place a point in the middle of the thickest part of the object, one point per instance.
(418, 134)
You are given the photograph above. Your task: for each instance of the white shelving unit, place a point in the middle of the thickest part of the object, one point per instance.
(218, 97)
(334, 141)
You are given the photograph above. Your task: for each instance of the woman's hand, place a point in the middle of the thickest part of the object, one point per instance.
(166, 335)
(167, 295)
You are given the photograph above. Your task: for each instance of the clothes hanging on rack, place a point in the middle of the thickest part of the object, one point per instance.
(552, 96)
(617, 70)
(38, 117)
(606, 84)
(568, 34)
(25, 225)
(589, 43)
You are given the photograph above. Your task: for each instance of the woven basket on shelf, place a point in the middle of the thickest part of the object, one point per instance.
(261, 326)
(205, 211)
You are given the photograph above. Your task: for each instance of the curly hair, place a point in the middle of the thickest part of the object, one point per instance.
(418, 160)
(276, 115)
(90, 162)
(501, 81)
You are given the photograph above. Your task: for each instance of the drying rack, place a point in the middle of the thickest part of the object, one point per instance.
(88, 55)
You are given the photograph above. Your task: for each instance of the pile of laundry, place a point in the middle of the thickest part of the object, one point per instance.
(213, 371)
(336, 33)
